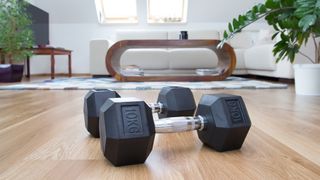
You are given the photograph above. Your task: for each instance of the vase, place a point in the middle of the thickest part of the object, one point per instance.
(11, 72)
(307, 79)
(183, 35)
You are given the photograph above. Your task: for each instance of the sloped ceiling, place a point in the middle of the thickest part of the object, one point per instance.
(69, 11)
(83, 11)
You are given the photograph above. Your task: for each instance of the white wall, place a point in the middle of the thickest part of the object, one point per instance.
(73, 24)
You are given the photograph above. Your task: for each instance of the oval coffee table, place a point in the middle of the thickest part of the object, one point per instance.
(226, 59)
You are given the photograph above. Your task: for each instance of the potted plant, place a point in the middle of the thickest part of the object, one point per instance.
(294, 22)
(16, 39)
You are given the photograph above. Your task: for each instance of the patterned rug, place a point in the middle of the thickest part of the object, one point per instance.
(110, 83)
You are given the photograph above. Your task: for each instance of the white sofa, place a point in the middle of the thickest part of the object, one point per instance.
(253, 52)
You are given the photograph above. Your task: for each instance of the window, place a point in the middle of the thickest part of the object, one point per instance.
(167, 11)
(116, 11)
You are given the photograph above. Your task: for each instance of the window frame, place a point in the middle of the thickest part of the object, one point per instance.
(183, 20)
(102, 19)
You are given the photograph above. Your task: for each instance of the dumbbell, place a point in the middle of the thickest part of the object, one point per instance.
(172, 101)
(127, 128)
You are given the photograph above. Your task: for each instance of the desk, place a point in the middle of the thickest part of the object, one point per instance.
(52, 52)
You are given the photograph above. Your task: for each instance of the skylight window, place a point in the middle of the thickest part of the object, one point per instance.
(167, 11)
(116, 11)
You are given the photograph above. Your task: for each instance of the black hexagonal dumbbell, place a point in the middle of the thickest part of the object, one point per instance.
(93, 101)
(127, 128)
(172, 101)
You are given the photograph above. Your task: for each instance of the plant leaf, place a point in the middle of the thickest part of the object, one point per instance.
(225, 34)
(307, 21)
(235, 24)
(272, 4)
(274, 35)
(230, 27)
(262, 8)
(255, 9)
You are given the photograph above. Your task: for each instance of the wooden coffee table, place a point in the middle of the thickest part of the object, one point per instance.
(226, 57)
(52, 52)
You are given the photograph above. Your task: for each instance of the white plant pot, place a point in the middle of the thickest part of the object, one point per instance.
(307, 79)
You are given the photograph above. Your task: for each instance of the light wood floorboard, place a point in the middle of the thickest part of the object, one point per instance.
(42, 136)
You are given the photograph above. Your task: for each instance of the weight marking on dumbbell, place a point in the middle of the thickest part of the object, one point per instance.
(235, 111)
(132, 120)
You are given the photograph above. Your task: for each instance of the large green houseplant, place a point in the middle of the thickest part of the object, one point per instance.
(294, 22)
(16, 37)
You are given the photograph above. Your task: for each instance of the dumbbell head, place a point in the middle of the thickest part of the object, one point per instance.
(227, 121)
(177, 101)
(127, 128)
(93, 100)
(126, 131)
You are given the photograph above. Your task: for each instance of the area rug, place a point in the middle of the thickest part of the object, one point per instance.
(110, 83)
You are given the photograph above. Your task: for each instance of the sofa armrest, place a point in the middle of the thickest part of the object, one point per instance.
(260, 60)
(98, 51)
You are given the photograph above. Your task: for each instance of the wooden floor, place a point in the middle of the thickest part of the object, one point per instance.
(42, 136)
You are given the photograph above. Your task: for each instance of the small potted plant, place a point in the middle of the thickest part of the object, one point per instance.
(295, 23)
(16, 39)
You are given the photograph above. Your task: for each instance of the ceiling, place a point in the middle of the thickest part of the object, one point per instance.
(83, 11)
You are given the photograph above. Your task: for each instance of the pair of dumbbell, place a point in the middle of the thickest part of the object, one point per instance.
(127, 128)
(172, 101)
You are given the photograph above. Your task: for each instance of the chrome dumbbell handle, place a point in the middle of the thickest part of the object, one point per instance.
(179, 124)
(156, 107)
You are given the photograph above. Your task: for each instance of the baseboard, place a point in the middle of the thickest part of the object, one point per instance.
(101, 76)
(267, 78)
(61, 74)
(73, 75)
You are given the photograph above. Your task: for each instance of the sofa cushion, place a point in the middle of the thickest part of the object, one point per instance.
(135, 35)
(148, 58)
(240, 64)
(264, 37)
(144, 58)
(196, 34)
(260, 58)
(192, 58)
(245, 39)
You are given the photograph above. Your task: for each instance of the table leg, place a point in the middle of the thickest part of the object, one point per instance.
(28, 67)
(2, 59)
(52, 66)
(69, 65)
